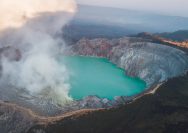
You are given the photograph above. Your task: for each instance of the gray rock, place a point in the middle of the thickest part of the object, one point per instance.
(154, 63)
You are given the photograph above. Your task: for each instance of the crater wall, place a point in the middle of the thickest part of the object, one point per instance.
(152, 62)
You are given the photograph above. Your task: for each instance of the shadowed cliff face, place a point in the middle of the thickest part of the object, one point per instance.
(154, 63)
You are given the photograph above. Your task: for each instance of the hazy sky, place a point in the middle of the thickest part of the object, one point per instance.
(172, 7)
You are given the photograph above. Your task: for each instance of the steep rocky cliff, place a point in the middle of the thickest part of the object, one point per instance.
(152, 62)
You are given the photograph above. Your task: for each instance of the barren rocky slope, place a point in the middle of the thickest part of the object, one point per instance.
(164, 112)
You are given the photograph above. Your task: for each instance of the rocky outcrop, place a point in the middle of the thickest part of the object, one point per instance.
(152, 62)
(18, 119)
(166, 111)
(14, 119)
(175, 39)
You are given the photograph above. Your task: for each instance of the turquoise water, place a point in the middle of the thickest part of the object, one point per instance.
(98, 76)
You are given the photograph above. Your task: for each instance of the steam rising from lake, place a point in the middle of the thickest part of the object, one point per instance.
(31, 27)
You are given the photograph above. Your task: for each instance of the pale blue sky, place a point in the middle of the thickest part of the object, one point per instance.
(172, 7)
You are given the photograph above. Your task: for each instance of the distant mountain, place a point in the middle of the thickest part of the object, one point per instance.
(106, 22)
(137, 21)
(75, 31)
(181, 35)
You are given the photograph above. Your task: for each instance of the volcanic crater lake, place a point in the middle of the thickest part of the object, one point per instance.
(100, 77)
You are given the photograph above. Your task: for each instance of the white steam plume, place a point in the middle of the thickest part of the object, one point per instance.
(14, 13)
(31, 26)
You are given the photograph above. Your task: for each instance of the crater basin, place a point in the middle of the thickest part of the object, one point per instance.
(99, 77)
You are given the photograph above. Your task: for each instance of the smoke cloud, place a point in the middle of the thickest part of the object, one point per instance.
(29, 37)
(16, 13)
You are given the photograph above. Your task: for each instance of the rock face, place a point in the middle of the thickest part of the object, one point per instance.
(152, 62)
(14, 119)
(166, 111)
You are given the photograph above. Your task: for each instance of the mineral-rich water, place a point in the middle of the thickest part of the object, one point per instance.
(100, 77)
